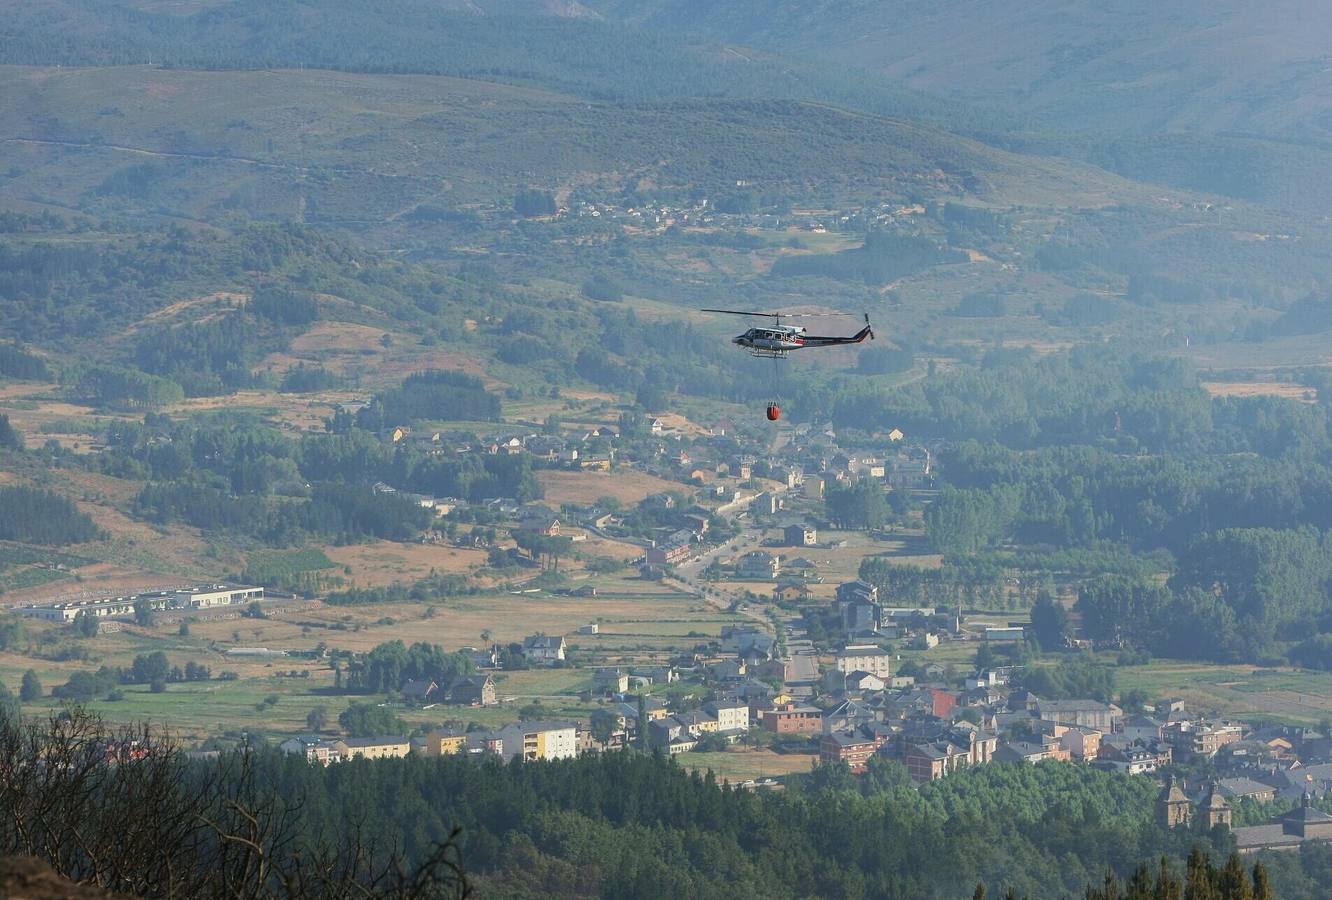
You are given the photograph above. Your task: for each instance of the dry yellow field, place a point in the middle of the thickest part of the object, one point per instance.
(627, 486)
(17, 390)
(295, 412)
(678, 424)
(99, 579)
(1283, 389)
(222, 300)
(350, 348)
(381, 563)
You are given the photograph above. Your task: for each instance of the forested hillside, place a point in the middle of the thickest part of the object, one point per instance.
(945, 223)
(1153, 102)
(487, 139)
(611, 825)
(510, 42)
(1210, 67)
(626, 826)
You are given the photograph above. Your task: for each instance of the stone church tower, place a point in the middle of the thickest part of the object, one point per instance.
(1214, 809)
(1172, 807)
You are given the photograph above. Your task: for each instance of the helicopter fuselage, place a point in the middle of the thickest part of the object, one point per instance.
(778, 341)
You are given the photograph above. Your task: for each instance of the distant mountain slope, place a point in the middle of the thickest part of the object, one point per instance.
(1211, 65)
(559, 44)
(1160, 91)
(328, 147)
(432, 164)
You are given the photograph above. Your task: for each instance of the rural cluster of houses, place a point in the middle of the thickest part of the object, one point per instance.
(530, 740)
(717, 465)
(708, 213)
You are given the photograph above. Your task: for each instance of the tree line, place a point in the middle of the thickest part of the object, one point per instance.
(613, 824)
(120, 808)
(1237, 595)
(336, 510)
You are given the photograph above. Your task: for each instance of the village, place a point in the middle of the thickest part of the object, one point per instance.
(745, 538)
(858, 711)
(815, 664)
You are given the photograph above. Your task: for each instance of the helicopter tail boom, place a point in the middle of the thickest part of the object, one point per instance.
(812, 340)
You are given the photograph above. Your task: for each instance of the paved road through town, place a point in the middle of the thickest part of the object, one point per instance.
(802, 664)
(687, 572)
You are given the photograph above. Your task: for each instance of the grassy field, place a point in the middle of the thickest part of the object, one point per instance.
(194, 710)
(1281, 694)
(1288, 390)
(457, 622)
(744, 765)
(628, 486)
(642, 622)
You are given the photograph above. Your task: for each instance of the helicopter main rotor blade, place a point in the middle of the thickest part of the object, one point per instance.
(741, 312)
(769, 315)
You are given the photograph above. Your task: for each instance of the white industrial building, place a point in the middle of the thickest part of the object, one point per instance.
(207, 596)
(214, 595)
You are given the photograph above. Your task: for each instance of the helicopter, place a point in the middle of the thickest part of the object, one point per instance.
(775, 341)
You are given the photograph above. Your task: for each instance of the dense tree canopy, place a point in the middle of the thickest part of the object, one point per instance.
(388, 666)
(630, 825)
(42, 517)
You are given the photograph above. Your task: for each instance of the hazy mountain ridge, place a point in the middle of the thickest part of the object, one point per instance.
(540, 43)
(412, 131)
(429, 166)
(1129, 64)
(1158, 104)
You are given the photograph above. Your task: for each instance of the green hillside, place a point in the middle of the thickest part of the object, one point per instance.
(414, 178)
(516, 42)
(1229, 98)
(1127, 65)
(1219, 98)
(338, 147)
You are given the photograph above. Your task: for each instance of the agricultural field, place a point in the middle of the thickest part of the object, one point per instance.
(627, 486)
(738, 765)
(1279, 694)
(379, 563)
(639, 626)
(1286, 389)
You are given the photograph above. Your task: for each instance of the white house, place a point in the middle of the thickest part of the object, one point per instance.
(209, 596)
(731, 715)
(543, 649)
(868, 658)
